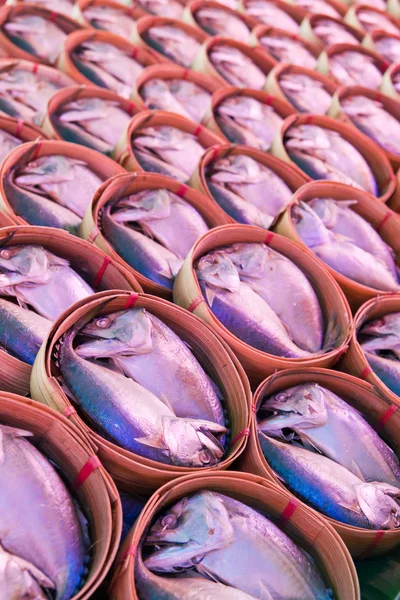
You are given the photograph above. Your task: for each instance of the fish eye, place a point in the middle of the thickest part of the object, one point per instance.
(281, 397)
(169, 521)
(103, 323)
(5, 253)
(205, 457)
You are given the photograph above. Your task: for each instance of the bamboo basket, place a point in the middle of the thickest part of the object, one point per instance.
(78, 12)
(96, 493)
(261, 30)
(65, 61)
(258, 364)
(375, 213)
(351, 16)
(92, 264)
(190, 14)
(9, 49)
(124, 153)
(296, 13)
(387, 86)
(355, 361)
(131, 183)
(130, 471)
(139, 34)
(56, 104)
(102, 165)
(390, 105)
(376, 408)
(372, 153)
(372, 37)
(203, 64)
(304, 526)
(394, 201)
(293, 178)
(282, 107)
(323, 65)
(273, 86)
(337, 5)
(311, 20)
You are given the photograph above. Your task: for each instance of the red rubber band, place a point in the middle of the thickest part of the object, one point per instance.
(92, 464)
(130, 551)
(379, 535)
(253, 408)
(185, 74)
(385, 218)
(132, 108)
(309, 119)
(19, 127)
(131, 300)
(269, 99)
(341, 351)
(288, 512)
(36, 150)
(182, 190)
(101, 272)
(53, 16)
(387, 415)
(35, 67)
(135, 52)
(378, 96)
(385, 65)
(69, 411)
(198, 130)
(268, 238)
(244, 433)
(365, 372)
(195, 303)
(215, 153)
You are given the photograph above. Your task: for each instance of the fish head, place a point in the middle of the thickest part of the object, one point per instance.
(384, 325)
(149, 204)
(189, 530)
(192, 442)
(301, 406)
(309, 226)
(24, 264)
(217, 269)
(21, 579)
(122, 333)
(249, 259)
(326, 209)
(47, 169)
(379, 502)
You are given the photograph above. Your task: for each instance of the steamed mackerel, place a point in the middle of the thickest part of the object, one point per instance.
(178, 96)
(305, 93)
(174, 43)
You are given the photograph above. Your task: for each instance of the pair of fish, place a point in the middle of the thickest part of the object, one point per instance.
(36, 35)
(217, 21)
(355, 68)
(331, 31)
(389, 47)
(239, 553)
(142, 228)
(245, 120)
(371, 118)
(51, 191)
(286, 49)
(177, 96)
(305, 93)
(65, 7)
(247, 190)
(107, 66)
(372, 19)
(319, 7)
(271, 13)
(174, 43)
(44, 540)
(355, 483)
(163, 8)
(244, 285)
(92, 122)
(380, 342)
(39, 280)
(167, 150)
(236, 67)
(110, 19)
(166, 409)
(25, 94)
(323, 153)
(346, 242)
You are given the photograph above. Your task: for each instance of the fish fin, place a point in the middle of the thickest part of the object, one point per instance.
(351, 507)
(167, 403)
(14, 432)
(356, 470)
(348, 203)
(210, 295)
(152, 441)
(200, 568)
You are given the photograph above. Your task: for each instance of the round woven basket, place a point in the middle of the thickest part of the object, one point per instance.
(304, 526)
(130, 471)
(83, 474)
(309, 23)
(190, 14)
(261, 30)
(362, 543)
(351, 16)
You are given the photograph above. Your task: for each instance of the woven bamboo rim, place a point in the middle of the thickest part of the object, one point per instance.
(203, 64)
(338, 5)
(66, 64)
(296, 13)
(131, 183)
(308, 32)
(372, 153)
(131, 471)
(145, 23)
(351, 16)
(375, 407)
(134, 11)
(102, 165)
(394, 201)
(355, 362)
(258, 364)
(260, 30)
(124, 153)
(274, 87)
(98, 496)
(389, 104)
(323, 65)
(377, 214)
(190, 14)
(304, 526)
(73, 93)
(372, 37)
(91, 263)
(8, 49)
(387, 86)
(282, 107)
